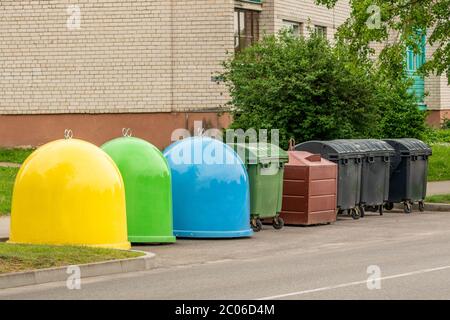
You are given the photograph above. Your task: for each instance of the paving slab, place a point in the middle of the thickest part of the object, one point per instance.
(4, 227)
(438, 187)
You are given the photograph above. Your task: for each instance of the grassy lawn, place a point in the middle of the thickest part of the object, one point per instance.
(14, 258)
(445, 198)
(7, 176)
(439, 167)
(14, 155)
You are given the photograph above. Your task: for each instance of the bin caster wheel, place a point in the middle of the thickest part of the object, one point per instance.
(355, 213)
(362, 211)
(381, 210)
(278, 223)
(407, 207)
(389, 206)
(256, 225)
(421, 206)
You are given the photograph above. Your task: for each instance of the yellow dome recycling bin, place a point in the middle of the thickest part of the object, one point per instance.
(69, 192)
(148, 189)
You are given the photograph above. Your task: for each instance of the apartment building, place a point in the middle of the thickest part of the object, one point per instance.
(150, 65)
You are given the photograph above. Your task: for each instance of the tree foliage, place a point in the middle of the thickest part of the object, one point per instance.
(401, 22)
(309, 89)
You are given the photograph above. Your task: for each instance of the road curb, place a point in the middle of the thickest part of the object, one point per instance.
(439, 207)
(435, 207)
(34, 277)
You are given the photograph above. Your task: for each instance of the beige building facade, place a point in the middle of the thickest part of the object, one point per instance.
(96, 66)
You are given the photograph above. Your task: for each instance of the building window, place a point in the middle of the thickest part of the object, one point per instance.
(321, 31)
(294, 27)
(246, 28)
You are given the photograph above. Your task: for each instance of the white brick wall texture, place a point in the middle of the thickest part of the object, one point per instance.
(128, 56)
(135, 55)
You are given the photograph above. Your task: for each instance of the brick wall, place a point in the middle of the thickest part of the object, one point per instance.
(436, 86)
(203, 35)
(309, 14)
(127, 56)
(135, 55)
(445, 93)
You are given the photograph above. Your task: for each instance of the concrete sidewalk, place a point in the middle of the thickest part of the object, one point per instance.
(4, 227)
(438, 187)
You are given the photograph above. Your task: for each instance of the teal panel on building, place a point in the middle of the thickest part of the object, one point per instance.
(413, 62)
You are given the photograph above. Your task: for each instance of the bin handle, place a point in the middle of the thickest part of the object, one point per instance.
(126, 132)
(68, 134)
(370, 159)
(344, 161)
(386, 159)
(291, 144)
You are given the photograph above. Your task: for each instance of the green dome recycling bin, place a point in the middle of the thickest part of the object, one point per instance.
(148, 189)
(265, 167)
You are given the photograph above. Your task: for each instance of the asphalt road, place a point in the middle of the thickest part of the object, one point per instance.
(411, 252)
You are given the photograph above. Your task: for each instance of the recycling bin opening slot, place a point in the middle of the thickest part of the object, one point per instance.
(314, 158)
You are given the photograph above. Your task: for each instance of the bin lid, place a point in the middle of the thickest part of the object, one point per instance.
(410, 146)
(332, 150)
(304, 158)
(259, 152)
(375, 147)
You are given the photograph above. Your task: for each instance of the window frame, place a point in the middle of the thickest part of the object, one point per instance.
(248, 38)
(321, 30)
(291, 23)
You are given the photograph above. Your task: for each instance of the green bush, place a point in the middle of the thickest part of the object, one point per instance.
(446, 124)
(309, 89)
(432, 135)
(400, 115)
(439, 166)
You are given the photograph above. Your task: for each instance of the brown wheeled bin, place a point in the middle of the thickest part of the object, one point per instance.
(310, 190)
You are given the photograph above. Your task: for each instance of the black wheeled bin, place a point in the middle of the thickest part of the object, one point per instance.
(409, 171)
(375, 174)
(348, 156)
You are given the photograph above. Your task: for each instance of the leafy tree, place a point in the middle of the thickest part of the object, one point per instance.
(309, 89)
(401, 22)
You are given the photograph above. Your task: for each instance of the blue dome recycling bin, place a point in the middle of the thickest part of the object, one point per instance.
(210, 190)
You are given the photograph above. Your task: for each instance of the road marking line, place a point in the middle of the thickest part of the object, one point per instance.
(355, 283)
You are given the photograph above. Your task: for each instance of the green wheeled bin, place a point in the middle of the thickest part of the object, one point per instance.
(148, 189)
(265, 167)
